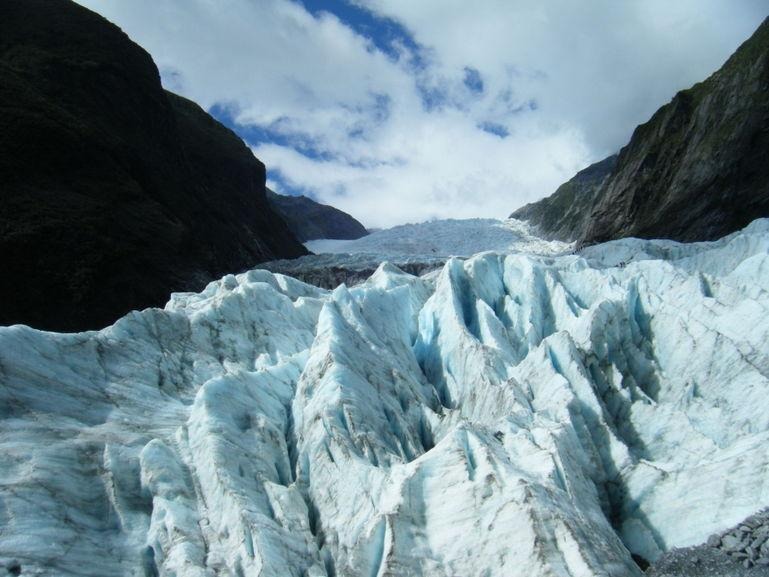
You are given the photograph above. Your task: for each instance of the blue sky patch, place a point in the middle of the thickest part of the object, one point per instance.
(473, 80)
(495, 129)
(254, 134)
(386, 34)
(433, 97)
(285, 187)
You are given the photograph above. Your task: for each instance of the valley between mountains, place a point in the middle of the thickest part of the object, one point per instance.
(577, 391)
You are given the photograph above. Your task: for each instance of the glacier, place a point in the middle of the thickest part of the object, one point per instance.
(418, 249)
(510, 414)
(445, 237)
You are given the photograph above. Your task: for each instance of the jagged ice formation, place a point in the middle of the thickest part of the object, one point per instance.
(510, 415)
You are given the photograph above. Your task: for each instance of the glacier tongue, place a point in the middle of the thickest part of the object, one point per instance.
(510, 415)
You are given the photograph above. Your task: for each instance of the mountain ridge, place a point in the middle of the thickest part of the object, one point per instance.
(311, 220)
(115, 192)
(696, 170)
(563, 214)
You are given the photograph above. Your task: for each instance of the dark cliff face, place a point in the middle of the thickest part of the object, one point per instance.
(564, 215)
(113, 192)
(697, 170)
(310, 220)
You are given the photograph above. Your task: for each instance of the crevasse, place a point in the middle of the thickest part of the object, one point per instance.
(508, 415)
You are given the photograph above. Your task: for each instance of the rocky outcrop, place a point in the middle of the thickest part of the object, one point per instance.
(310, 220)
(697, 170)
(565, 214)
(114, 192)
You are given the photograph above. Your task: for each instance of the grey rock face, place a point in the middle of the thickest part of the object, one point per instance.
(115, 193)
(564, 215)
(697, 170)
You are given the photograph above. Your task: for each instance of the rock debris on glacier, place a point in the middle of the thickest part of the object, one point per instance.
(509, 415)
(742, 551)
(414, 248)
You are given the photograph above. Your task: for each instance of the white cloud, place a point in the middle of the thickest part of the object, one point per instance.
(601, 65)
(567, 81)
(449, 169)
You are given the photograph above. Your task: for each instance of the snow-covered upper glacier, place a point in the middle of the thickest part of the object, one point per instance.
(512, 415)
(450, 237)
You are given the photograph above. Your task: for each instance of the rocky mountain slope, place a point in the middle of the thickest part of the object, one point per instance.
(564, 215)
(696, 170)
(511, 415)
(310, 220)
(114, 192)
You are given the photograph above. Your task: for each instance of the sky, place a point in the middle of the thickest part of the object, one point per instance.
(402, 111)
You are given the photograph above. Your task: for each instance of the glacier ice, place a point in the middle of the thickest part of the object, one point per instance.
(418, 249)
(509, 415)
(449, 237)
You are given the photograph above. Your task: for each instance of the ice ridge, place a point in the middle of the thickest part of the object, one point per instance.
(510, 415)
